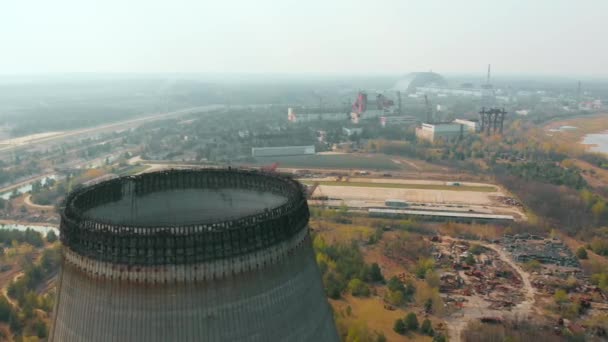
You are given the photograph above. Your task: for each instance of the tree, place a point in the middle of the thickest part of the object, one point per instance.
(581, 253)
(399, 327)
(427, 327)
(423, 265)
(51, 236)
(470, 259)
(439, 338)
(411, 321)
(5, 309)
(394, 297)
(358, 288)
(36, 187)
(375, 274)
(394, 284)
(428, 305)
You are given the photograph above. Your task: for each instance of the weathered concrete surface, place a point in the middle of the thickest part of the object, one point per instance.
(279, 302)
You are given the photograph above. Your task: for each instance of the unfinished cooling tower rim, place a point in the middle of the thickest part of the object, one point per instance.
(93, 240)
(200, 272)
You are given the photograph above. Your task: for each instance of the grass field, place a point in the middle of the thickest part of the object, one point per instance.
(337, 161)
(476, 188)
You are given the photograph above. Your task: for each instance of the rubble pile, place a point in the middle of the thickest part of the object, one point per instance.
(479, 273)
(526, 247)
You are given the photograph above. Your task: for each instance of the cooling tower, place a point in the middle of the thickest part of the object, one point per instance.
(189, 255)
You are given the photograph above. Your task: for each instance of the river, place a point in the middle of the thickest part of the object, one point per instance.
(25, 188)
(598, 142)
(41, 229)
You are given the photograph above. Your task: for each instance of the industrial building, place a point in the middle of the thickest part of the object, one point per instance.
(440, 215)
(471, 125)
(401, 120)
(349, 131)
(309, 115)
(189, 255)
(440, 131)
(282, 151)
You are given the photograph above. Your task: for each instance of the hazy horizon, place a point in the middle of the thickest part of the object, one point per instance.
(291, 37)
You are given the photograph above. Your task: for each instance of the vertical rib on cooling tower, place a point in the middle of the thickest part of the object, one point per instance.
(139, 277)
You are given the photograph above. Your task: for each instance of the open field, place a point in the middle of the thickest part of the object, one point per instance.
(337, 161)
(372, 312)
(417, 193)
(420, 195)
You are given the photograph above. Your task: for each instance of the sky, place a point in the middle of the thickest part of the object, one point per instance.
(561, 37)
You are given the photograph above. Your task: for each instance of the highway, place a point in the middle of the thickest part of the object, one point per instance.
(131, 123)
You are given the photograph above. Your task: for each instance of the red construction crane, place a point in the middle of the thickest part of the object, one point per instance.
(359, 107)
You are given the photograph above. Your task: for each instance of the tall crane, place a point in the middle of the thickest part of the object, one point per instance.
(358, 107)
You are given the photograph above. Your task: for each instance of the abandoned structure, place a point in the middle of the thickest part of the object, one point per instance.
(492, 120)
(189, 255)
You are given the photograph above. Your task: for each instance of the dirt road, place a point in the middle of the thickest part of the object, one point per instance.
(29, 203)
(477, 307)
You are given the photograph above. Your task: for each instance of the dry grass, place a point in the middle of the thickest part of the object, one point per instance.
(594, 263)
(372, 312)
(334, 232)
(595, 176)
(484, 231)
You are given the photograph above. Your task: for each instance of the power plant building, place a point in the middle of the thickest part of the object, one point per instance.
(189, 255)
(440, 131)
(282, 151)
(471, 125)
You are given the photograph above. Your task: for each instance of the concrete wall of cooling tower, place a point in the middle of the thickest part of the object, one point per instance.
(280, 301)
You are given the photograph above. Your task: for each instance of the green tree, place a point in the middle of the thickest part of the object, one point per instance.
(375, 273)
(426, 327)
(395, 297)
(439, 338)
(470, 259)
(358, 288)
(51, 236)
(5, 309)
(411, 321)
(581, 253)
(399, 327)
(428, 305)
(394, 284)
(423, 265)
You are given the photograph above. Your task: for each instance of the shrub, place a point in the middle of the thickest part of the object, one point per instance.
(358, 288)
(411, 321)
(581, 253)
(400, 327)
(427, 328)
